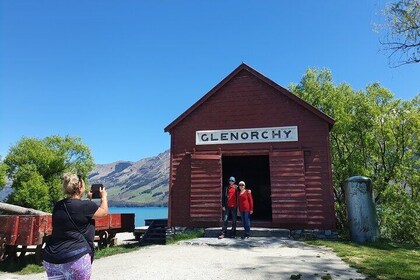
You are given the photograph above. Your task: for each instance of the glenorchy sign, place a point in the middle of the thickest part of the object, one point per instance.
(247, 135)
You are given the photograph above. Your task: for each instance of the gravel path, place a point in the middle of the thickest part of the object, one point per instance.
(210, 258)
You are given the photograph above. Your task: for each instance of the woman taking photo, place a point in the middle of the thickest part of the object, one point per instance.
(69, 252)
(246, 207)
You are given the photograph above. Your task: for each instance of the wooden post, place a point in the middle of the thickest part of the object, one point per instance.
(14, 209)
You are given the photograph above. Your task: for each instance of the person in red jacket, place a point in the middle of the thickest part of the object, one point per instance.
(246, 207)
(230, 207)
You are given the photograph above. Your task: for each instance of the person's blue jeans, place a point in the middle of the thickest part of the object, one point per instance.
(230, 212)
(246, 220)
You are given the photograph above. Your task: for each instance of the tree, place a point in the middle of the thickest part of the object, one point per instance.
(403, 31)
(35, 167)
(30, 189)
(3, 171)
(349, 136)
(375, 135)
(395, 155)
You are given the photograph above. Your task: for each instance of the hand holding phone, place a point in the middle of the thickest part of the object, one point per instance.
(96, 190)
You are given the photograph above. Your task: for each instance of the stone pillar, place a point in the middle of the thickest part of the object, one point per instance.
(361, 211)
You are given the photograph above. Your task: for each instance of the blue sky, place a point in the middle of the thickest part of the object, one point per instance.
(117, 72)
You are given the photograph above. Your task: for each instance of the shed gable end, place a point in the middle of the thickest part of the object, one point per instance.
(243, 72)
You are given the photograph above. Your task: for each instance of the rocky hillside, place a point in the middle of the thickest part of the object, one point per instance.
(141, 183)
(4, 193)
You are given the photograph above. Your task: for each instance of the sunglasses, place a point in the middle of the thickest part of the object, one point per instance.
(241, 185)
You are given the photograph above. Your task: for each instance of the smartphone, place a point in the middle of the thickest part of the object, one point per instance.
(95, 188)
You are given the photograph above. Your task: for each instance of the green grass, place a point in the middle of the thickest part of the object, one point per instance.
(32, 268)
(185, 236)
(110, 251)
(380, 260)
(27, 265)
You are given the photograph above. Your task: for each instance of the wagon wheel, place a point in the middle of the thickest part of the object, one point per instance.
(38, 254)
(3, 254)
(103, 239)
(22, 252)
(40, 248)
(112, 241)
(10, 253)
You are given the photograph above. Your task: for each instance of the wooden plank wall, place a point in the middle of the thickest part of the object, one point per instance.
(321, 213)
(288, 195)
(246, 102)
(179, 191)
(206, 192)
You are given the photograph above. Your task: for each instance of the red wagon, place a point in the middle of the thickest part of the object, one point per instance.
(17, 232)
(27, 233)
(107, 227)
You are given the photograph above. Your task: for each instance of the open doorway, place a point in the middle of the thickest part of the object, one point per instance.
(255, 171)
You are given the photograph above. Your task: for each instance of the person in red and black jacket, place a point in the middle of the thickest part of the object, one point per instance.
(229, 206)
(246, 207)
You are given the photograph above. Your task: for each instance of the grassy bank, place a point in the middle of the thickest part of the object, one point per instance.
(27, 265)
(185, 236)
(115, 250)
(379, 260)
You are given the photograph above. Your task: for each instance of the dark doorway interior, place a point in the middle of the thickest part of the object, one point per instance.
(255, 172)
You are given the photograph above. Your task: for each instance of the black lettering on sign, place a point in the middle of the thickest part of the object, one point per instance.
(224, 136)
(234, 135)
(204, 137)
(264, 135)
(213, 138)
(244, 135)
(254, 134)
(287, 133)
(278, 134)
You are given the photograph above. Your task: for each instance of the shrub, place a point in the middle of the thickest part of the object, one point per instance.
(399, 217)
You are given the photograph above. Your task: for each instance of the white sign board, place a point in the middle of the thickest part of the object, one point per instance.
(247, 135)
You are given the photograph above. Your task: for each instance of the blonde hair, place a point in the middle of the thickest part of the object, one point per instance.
(71, 184)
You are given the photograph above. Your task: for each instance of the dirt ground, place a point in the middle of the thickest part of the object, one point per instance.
(210, 258)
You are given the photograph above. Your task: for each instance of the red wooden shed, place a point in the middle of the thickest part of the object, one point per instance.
(251, 128)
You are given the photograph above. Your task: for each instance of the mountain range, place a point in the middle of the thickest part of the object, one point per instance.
(141, 183)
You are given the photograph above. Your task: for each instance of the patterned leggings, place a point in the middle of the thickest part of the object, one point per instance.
(79, 269)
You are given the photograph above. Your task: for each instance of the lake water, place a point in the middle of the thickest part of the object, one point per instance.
(142, 213)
